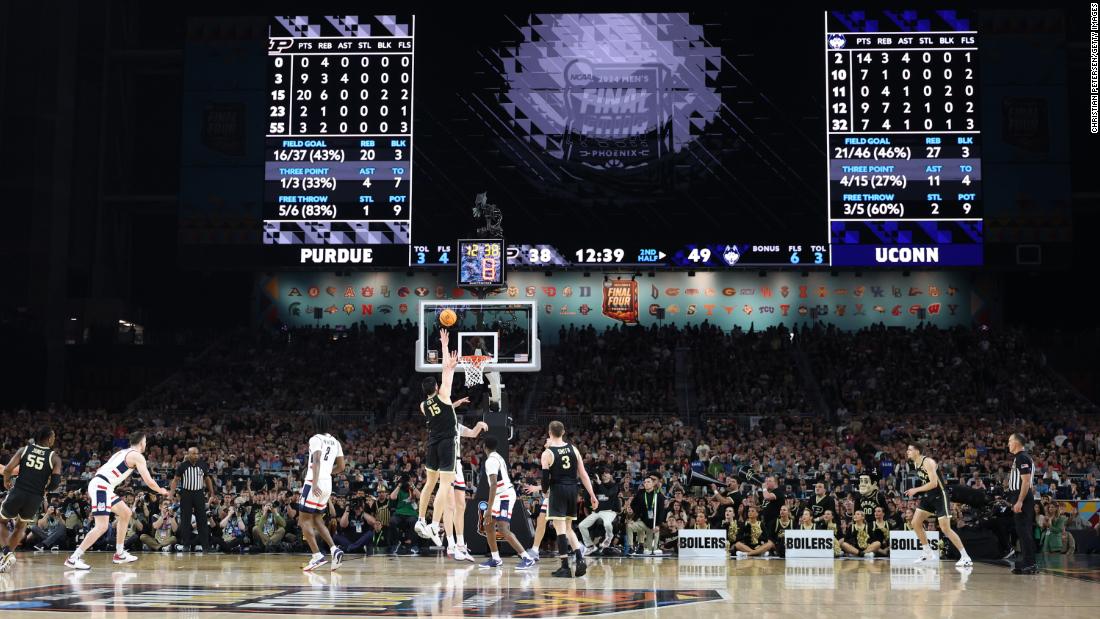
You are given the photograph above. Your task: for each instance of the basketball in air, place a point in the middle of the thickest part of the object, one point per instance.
(448, 317)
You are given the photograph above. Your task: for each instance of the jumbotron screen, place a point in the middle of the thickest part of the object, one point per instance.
(733, 139)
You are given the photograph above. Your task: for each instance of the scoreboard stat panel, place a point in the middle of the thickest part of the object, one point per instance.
(903, 137)
(338, 167)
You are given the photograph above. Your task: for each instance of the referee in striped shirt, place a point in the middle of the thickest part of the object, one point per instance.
(195, 476)
(1019, 488)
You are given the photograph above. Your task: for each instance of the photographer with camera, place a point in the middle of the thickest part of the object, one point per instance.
(355, 528)
(49, 531)
(139, 523)
(233, 529)
(74, 511)
(406, 498)
(270, 528)
(164, 530)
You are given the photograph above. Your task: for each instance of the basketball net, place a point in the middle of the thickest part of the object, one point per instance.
(472, 366)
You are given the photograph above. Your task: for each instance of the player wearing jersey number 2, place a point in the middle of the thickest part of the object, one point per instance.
(326, 458)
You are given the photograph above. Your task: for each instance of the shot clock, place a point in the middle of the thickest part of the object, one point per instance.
(481, 263)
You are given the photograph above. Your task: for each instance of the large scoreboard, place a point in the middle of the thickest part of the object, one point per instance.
(646, 140)
(339, 147)
(904, 143)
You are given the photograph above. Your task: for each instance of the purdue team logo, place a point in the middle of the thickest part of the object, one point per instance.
(906, 543)
(809, 543)
(702, 543)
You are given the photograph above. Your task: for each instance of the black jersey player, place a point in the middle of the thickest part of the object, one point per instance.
(39, 472)
(442, 454)
(933, 501)
(562, 466)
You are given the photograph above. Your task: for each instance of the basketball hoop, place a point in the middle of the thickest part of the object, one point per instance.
(472, 366)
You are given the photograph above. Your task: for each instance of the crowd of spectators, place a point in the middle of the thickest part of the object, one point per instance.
(960, 371)
(257, 462)
(745, 372)
(619, 370)
(293, 370)
(960, 392)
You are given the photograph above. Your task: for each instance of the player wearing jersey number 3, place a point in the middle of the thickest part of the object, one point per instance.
(101, 491)
(562, 466)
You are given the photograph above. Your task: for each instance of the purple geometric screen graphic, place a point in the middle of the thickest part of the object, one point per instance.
(611, 91)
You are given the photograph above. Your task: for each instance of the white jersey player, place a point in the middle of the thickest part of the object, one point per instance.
(104, 501)
(326, 457)
(317, 487)
(455, 522)
(502, 498)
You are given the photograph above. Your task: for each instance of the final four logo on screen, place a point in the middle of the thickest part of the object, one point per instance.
(731, 254)
(837, 41)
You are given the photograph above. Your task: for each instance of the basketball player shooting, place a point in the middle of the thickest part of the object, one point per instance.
(442, 444)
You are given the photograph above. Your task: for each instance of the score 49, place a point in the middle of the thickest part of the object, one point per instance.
(765, 254)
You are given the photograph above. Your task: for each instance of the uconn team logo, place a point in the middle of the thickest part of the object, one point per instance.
(731, 255)
(837, 41)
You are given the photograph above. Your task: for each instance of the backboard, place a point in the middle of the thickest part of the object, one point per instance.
(506, 331)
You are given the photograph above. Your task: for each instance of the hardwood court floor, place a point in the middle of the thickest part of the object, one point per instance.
(213, 585)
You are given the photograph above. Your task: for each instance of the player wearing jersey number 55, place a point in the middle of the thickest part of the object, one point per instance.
(933, 501)
(101, 490)
(326, 457)
(39, 472)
